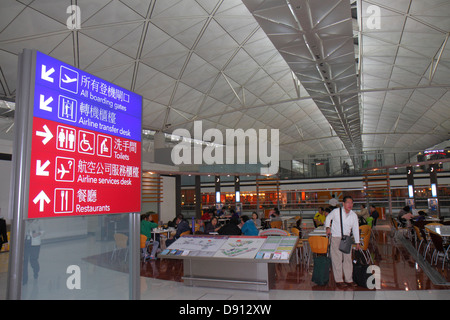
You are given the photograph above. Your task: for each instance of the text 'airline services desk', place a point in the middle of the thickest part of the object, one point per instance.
(232, 262)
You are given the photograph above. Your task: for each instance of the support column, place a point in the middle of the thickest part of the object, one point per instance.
(198, 198)
(434, 200)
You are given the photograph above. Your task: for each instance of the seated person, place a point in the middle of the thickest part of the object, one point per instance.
(213, 226)
(182, 226)
(146, 229)
(403, 213)
(421, 217)
(249, 228)
(364, 212)
(256, 219)
(231, 228)
(319, 218)
(374, 215)
(222, 212)
(298, 225)
(206, 216)
(407, 217)
(275, 214)
(233, 213)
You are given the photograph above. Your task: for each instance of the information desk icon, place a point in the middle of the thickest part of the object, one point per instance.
(65, 169)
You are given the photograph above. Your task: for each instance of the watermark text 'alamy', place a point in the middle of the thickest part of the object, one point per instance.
(195, 151)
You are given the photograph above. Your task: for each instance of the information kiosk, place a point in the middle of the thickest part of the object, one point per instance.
(233, 262)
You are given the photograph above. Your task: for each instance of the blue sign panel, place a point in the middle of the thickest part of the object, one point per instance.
(68, 95)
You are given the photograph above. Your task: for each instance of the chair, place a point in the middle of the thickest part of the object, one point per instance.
(427, 236)
(365, 232)
(273, 232)
(121, 242)
(439, 249)
(419, 237)
(300, 245)
(277, 224)
(185, 233)
(144, 246)
(318, 245)
(143, 241)
(397, 227)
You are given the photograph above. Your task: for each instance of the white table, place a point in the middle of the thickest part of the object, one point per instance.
(284, 220)
(443, 231)
(160, 231)
(320, 232)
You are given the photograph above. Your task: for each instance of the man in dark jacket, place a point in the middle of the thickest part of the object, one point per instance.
(182, 226)
(231, 228)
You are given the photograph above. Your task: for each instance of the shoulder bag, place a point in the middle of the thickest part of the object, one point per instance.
(345, 246)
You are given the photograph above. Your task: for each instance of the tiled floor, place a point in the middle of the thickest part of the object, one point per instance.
(401, 276)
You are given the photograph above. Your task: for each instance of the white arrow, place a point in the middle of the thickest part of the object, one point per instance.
(40, 169)
(47, 134)
(43, 104)
(41, 197)
(45, 74)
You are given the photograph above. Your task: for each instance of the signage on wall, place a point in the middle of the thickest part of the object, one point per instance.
(86, 144)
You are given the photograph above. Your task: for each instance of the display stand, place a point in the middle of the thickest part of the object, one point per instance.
(232, 262)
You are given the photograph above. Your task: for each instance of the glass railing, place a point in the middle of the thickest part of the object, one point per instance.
(323, 167)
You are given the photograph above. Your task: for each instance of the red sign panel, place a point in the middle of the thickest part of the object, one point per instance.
(77, 171)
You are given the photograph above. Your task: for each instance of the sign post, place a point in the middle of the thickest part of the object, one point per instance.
(77, 145)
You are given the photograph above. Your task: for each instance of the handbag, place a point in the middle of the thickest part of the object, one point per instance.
(345, 246)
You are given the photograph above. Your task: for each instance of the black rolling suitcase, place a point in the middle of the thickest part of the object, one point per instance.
(360, 275)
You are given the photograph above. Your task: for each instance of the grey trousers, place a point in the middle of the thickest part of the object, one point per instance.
(341, 263)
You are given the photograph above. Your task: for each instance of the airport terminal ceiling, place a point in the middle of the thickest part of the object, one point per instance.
(339, 77)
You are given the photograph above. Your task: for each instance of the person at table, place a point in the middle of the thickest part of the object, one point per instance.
(256, 219)
(233, 213)
(405, 216)
(363, 212)
(275, 214)
(421, 217)
(248, 228)
(298, 226)
(147, 225)
(206, 216)
(231, 228)
(374, 214)
(213, 226)
(341, 262)
(319, 217)
(182, 226)
(222, 212)
(333, 202)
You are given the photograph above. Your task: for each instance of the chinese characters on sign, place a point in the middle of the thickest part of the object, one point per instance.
(86, 144)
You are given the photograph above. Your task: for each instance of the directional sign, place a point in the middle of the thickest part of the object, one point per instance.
(46, 134)
(86, 144)
(46, 74)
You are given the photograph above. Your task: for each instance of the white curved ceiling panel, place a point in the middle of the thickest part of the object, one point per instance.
(231, 65)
